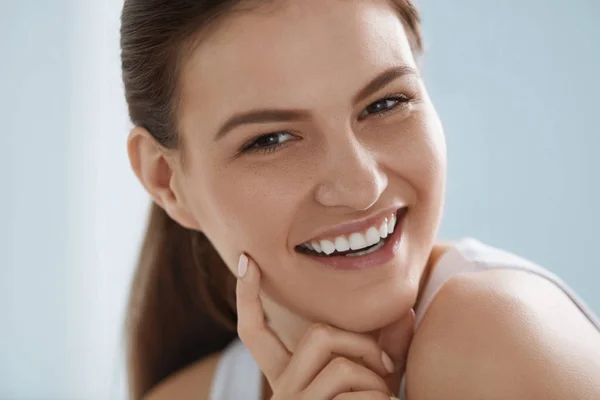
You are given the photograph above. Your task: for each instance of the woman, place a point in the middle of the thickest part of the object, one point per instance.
(293, 146)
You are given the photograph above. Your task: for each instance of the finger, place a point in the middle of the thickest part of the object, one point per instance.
(322, 343)
(267, 350)
(365, 395)
(342, 375)
(395, 340)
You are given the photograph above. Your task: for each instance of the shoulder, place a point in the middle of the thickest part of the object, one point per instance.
(503, 334)
(191, 383)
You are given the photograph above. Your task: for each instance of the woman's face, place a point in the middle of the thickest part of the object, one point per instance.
(345, 131)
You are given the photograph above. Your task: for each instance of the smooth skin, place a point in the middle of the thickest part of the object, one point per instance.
(487, 335)
(504, 335)
(328, 363)
(346, 153)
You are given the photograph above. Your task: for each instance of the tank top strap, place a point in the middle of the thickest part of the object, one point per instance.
(238, 376)
(452, 262)
(469, 254)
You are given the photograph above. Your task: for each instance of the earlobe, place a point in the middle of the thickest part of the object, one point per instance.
(149, 161)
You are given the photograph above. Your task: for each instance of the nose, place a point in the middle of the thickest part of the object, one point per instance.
(351, 177)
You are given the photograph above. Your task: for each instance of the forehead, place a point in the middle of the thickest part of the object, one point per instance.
(292, 54)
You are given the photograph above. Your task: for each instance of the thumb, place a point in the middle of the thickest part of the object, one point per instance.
(395, 339)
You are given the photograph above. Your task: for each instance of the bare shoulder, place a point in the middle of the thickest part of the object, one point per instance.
(503, 334)
(191, 383)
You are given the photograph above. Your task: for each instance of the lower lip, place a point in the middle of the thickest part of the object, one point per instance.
(372, 260)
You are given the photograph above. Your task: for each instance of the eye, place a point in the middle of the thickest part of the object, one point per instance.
(269, 142)
(387, 104)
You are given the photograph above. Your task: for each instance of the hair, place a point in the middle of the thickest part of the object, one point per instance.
(182, 301)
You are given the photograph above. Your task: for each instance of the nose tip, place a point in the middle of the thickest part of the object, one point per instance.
(356, 182)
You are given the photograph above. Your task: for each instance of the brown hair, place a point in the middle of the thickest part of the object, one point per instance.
(182, 302)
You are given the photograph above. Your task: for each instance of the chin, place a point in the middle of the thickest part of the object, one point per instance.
(372, 311)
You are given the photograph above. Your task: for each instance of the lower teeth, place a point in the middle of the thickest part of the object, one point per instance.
(367, 251)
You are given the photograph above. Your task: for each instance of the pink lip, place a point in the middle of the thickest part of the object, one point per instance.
(355, 226)
(379, 257)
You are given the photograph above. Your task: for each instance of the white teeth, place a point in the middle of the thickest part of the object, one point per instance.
(372, 236)
(341, 244)
(391, 224)
(327, 247)
(368, 251)
(383, 229)
(357, 241)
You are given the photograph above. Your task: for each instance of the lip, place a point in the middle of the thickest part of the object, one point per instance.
(379, 257)
(355, 226)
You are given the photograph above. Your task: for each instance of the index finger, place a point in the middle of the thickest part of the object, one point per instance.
(269, 352)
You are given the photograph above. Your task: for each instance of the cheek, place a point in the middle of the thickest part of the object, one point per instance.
(250, 209)
(428, 160)
(415, 151)
(416, 159)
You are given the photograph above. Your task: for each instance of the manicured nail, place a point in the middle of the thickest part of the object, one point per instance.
(242, 266)
(387, 362)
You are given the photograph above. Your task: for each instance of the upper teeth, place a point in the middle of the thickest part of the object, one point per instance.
(355, 240)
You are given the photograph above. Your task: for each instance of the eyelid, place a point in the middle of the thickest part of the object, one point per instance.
(248, 146)
(402, 98)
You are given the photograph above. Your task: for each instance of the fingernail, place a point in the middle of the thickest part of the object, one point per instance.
(242, 266)
(394, 398)
(387, 362)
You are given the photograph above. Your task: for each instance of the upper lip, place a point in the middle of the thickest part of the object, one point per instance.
(358, 225)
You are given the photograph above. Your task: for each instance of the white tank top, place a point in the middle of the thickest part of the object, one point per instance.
(238, 377)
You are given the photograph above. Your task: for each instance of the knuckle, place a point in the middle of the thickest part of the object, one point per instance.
(278, 394)
(342, 396)
(319, 332)
(342, 366)
(380, 384)
(242, 329)
(247, 333)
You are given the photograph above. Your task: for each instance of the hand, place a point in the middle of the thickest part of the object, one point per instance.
(328, 363)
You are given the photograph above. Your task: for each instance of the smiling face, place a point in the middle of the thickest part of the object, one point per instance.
(306, 123)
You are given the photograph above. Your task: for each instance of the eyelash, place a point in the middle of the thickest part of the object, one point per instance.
(266, 150)
(401, 99)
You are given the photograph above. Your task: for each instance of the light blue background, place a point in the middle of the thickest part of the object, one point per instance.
(516, 84)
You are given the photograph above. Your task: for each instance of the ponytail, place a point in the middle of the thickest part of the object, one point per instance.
(181, 306)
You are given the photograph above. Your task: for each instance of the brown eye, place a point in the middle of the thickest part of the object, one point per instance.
(384, 105)
(269, 142)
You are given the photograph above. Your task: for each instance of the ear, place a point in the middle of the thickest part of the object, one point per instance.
(154, 166)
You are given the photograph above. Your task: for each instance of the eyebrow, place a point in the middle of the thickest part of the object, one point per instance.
(275, 115)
